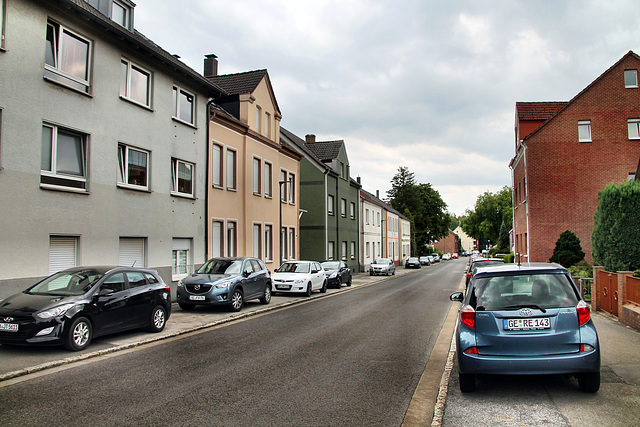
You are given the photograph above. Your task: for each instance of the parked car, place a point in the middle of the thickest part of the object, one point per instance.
(525, 319)
(431, 259)
(424, 260)
(226, 282)
(337, 273)
(436, 257)
(480, 262)
(300, 276)
(446, 256)
(455, 255)
(412, 262)
(74, 306)
(382, 266)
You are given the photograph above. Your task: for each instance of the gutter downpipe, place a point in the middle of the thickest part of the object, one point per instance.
(526, 179)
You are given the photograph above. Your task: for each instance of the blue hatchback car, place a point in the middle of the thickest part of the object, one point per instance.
(525, 319)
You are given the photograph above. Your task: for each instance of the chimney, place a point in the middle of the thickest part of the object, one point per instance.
(358, 180)
(377, 194)
(310, 138)
(210, 65)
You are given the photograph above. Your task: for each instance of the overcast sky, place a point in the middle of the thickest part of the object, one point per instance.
(426, 84)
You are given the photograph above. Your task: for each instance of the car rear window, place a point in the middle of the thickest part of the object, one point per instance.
(546, 290)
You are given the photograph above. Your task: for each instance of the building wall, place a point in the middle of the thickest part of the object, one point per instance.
(313, 223)
(98, 218)
(447, 244)
(371, 233)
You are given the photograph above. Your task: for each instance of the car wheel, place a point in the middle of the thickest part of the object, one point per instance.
(467, 382)
(79, 334)
(370, 273)
(307, 293)
(323, 289)
(186, 307)
(237, 300)
(394, 272)
(589, 382)
(349, 282)
(158, 319)
(266, 299)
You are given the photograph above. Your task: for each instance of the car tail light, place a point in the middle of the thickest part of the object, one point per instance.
(586, 347)
(468, 276)
(468, 316)
(584, 313)
(471, 350)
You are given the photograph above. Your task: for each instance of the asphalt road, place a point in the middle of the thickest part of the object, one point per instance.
(353, 358)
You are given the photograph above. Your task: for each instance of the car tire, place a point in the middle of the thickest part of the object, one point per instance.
(589, 382)
(186, 306)
(323, 289)
(394, 272)
(237, 300)
(79, 334)
(349, 282)
(266, 298)
(158, 319)
(467, 382)
(370, 273)
(307, 293)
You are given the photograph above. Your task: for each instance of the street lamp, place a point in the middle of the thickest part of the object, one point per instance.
(280, 185)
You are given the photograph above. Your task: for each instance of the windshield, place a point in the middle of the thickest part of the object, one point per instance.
(221, 266)
(331, 265)
(545, 290)
(293, 267)
(381, 261)
(67, 284)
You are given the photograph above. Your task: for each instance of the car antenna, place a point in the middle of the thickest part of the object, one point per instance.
(134, 263)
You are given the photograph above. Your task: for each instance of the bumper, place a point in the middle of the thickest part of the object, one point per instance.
(289, 288)
(213, 297)
(539, 365)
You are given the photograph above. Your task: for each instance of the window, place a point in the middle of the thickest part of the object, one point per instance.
(292, 243)
(330, 246)
(216, 238)
(353, 250)
(231, 169)
(341, 170)
(0, 137)
(267, 125)
(283, 243)
(344, 250)
(231, 239)
(352, 210)
(258, 116)
(283, 186)
(216, 165)
(366, 216)
(257, 174)
(64, 158)
(630, 78)
(183, 105)
(135, 83)
(180, 255)
(182, 174)
(378, 224)
(63, 252)
(634, 128)
(257, 242)
(136, 279)
(330, 204)
(120, 13)
(3, 12)
(133, 167)
(268, 242)
(268, 188)
(343, 207)
(584, 131)
(131, 252)
(292, 188)
(67, 57)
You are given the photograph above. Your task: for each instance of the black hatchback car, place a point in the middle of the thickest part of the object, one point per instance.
(75, 305)
(337, 273)
(226, 281)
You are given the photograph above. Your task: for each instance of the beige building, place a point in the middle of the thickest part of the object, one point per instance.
(467, 243)
(253, 179)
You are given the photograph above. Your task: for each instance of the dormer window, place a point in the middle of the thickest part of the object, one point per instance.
(120, 13)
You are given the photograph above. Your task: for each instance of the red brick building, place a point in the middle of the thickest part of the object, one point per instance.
(448, 244)
(566, 152)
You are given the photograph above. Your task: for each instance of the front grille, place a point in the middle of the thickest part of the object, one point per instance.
(25, 327)
(203, 289)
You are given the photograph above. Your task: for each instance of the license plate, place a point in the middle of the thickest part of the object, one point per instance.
(283, 287)
(527, 324)
(9, 327)
(196, 297)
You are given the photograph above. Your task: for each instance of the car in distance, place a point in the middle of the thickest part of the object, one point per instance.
(424, 260)
(74, 306)
(431, 259)
(300, 277)
(337, 273)
(480, 262)
(455, 255)
(436, 257)
(412, 262)
(446, 257)
(382, 266)
(226, 282)
(525, 319)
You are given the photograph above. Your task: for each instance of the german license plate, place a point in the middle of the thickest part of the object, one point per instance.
(196, 297)
(9, 327)
(283, 287)
(527, 324)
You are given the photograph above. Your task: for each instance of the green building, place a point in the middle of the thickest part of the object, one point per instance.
(329, 201)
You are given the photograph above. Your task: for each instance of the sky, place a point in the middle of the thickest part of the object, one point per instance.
(430, 85)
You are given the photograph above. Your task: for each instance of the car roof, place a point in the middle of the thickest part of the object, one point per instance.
(507, 269)
(102, 269)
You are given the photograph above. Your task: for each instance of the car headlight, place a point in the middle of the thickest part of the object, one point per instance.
(333, 275)
(299, 281)
(54, 312)
(180, 284)
(225, 284)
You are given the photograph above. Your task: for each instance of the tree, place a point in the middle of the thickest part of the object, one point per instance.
(503, 239)
(568, 250)
(491, 210)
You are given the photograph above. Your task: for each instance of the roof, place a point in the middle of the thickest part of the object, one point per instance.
(509, 269)
(289, 138)
(376, 201)
(325, 150)
(535, 111)
(239, 83)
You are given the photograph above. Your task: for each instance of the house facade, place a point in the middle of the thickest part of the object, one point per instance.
(103, 144)
(566, 152)
(448, 244)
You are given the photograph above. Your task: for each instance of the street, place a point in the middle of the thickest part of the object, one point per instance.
(353, 358)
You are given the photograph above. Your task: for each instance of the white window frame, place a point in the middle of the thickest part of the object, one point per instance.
(3, 22)
(343, 255)
(268, 242)
(217, 237)
(60, 179)
(125, 92)
(257, 176)
(175, 177)
(353, 250)
(267, 125)
(124, 154)
(630, 75)
(292, 243)
(584, 128)
(127, 13)
(177, 110)
(633, 128)
(292, 188)
(330, 202)
(54, 71)
(283, 186)
(181, 250)
(257, 240)
(268, 179)
(343, 208)
(330, 250)
(231, 165)
(258, 119)
(352, 210)
(129, 246)
(217, 165)
(231, 238)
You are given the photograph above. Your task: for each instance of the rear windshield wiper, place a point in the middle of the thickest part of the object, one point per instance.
(517, 307)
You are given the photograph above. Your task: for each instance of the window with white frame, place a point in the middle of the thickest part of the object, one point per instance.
(292, 188)
(267, 125)
(368, 249)
(231, 239)
(63, 253)
(1, 138)
(353, 250)
(268, 242)
(133, 167)
(366, 216)
(67, 57)
(330, 204)
(268, 186)
(63, 158)
(292, 243)
(283, 243)
(584, 131)
(258, 119)
(352, 210)
(231, 169)
(182, 178)
(283, 186)
(330, 250)
(343, 255)
(184, 105)
(216, 165)
(630, 78)
(135, 83)
(257, 240)
(120, 13)
(257, 175)
(378, 217)
(343, 207)
(217, 239)
(634, 128)
(3, 12)
(181, 258)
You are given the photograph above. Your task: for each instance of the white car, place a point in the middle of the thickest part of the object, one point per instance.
(446, 256)
(382, 266)
(300, 277)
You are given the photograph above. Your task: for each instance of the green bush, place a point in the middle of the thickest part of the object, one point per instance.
(615, 238)
(636, 273)
(509, 258)
(568, 250)
(581, 269)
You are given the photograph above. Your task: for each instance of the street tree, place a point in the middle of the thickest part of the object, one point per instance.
(491, 210)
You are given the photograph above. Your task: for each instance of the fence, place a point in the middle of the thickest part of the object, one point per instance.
(584, 285)
(617, 294)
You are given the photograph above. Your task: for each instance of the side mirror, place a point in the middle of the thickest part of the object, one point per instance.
(246, 273)
(103, 292)
(456, 296)
(314, 271)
